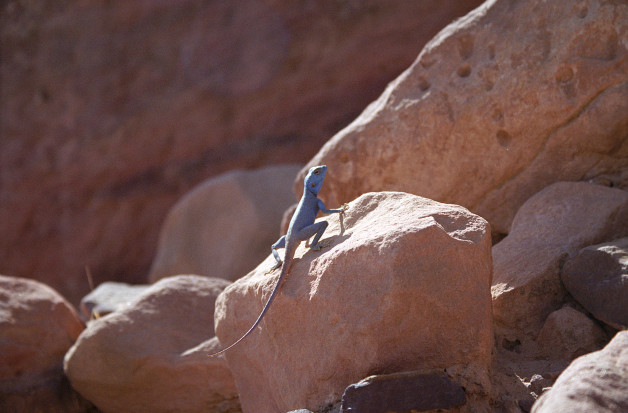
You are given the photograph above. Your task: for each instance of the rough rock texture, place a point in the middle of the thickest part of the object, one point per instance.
(224, 227)
(112, 110)
(567, 334)
(37, 327)
(597, 382)
(597, 278)
(402, 392)
(152, 355)
(550, 227)
(511, 98)
(109, 297)
(404, 285)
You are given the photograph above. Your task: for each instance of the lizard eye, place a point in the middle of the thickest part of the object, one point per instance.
(317, 172)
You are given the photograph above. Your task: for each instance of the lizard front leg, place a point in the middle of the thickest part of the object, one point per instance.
(281, 243)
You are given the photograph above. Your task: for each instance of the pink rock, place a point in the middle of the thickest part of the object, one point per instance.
(404, 285)
(224, 227)
(152, 355)
(596, 382)
(550, 227)
(37, 327)
(500, 104)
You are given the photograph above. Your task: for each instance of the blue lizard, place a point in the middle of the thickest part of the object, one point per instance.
(302, 227)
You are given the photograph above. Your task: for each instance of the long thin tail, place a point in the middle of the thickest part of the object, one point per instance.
(284, 270)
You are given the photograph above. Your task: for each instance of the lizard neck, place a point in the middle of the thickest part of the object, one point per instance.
(307, 193)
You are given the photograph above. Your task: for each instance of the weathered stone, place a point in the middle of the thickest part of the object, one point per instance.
(402, 392)
(598, 279)
(109, 297)
(550, 227)
(37, 327)
(500, 104)
(152, 356)
(111, 111)
(224, 227)
(567, 334)
(403, 286)
(597, 382)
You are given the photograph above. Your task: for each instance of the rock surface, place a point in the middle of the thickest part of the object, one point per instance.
(404, 285)
(152, 355)
(109, 297)
(500, 104)
(37, 327)
(550, 227)
(403, 392)
(224, 227)
(597, 382)
(111, 111)
(597, 279)
(567, 334)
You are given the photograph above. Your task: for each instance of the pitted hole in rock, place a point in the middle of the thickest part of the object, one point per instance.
(504, 138)
(464, 70)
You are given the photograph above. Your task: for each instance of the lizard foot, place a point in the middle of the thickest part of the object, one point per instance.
(273, 268)
(319, 246)
(344, 207)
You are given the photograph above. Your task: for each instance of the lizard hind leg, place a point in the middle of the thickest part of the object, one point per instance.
(317, 229)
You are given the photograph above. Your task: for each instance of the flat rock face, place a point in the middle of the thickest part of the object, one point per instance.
(403, 392)
(224, 227)
(597, 279)
(500, 104)
(37, 327)
(404, 285)
(549, 228)
(597, 382)
(152, 355)
(111, 111)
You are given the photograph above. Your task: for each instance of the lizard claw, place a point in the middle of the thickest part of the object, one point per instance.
(344, 207)
(320, 246)
(273, 268)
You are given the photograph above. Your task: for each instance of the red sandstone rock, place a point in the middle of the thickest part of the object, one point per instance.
(152, 355)
(500, 104)
(597, 382)
(404, 285)
(110, 111)
(224, 227)
(37, 327)
(550, 227)
(567, 334)
(596, 278)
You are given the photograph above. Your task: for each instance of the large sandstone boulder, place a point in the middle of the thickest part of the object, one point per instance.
(152, 355)
(549, 228)
(500, 104)
(404, 285)
(111, 111)
(224, 227)
(37, 327)
(597, 382)
(596, 278)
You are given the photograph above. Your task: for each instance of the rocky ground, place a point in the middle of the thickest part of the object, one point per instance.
(480, 265)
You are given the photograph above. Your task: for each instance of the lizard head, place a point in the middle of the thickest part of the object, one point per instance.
(314, 179)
